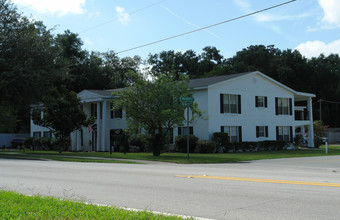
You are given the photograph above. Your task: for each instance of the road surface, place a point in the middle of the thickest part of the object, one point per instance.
(295, 188)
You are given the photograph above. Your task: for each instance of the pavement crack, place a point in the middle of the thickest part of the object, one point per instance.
(258, 204)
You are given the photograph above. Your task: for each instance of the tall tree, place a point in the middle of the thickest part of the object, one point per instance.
(27, 58)
(61, 114)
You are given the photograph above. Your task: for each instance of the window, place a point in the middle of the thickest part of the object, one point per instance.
(47, 134)
(184, 130)
(37, 134)
(93, 110)
(261, 131)
(234, 133)
(284, 133)
(117, 113)
(283, 106)
(261, 101)
(230, 103)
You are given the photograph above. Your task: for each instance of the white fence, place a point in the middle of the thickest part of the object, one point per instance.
(5, 139)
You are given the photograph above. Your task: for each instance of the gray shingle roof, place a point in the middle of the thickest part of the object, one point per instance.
(107, 92)
(194, 83)
(204, 82)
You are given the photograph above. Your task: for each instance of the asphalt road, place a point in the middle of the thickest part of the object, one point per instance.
(158, 186)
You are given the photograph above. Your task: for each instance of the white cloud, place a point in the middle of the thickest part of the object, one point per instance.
(315, 48)
(331, 10)
(59, 7)
(123, 16)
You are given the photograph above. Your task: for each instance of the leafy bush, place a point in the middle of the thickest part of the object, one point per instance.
(222, 141)
(46, 143)
(28, 142)
(206, 146)
(298, 140)
(138, 140)
(317, 141)
(181, 143)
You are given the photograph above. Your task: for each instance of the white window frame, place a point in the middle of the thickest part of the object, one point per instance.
(283, 107)
(230, 103)
(230, 130)
(284, 133)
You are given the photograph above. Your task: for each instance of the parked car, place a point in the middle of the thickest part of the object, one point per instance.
(17, 143)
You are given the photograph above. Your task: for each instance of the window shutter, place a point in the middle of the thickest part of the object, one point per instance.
(256, 101)
(239, 104)
(277, 133)
(222, 128)
(257, 131)
(291, 133)
(266, 131)
(265, 102)
(290, 106)
(240, 133)
(179, 130)
(276, 106)
(221, 103)
(191, 130)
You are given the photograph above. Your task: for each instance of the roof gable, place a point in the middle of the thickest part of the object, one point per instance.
(205, 83)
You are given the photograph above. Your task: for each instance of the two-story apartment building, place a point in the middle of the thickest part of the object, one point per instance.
(248, 106)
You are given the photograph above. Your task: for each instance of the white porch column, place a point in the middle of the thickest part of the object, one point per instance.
(78, 147)
(310, 126)
(105, 135)
(98, 128)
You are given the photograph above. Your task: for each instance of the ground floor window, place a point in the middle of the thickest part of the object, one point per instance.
(234, 133)
(184, 130)
(37, 134)
(47, 134)
(261, 131)
(284, 133)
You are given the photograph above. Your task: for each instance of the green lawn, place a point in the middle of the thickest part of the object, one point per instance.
(181, 157)
(17, 206)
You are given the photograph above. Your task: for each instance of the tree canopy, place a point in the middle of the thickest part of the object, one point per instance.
(153, 107)
(61, 114)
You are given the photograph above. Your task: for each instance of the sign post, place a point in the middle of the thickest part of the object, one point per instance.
(187, 101)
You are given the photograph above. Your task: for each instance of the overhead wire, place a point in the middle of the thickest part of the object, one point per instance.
(206, 27)
(116, 19)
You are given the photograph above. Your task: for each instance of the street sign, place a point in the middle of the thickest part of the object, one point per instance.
(186, 99)
(187, 104)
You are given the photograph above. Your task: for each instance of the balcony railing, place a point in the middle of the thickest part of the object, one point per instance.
(301, 115)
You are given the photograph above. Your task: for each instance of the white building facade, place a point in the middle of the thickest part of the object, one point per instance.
(247, 106)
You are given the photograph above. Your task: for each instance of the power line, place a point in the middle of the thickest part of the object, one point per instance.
(206, 27)
(322, 100)
(116, 19)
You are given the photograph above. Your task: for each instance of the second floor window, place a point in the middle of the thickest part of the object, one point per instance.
(283, 106)
(261, 101)
(230, 103)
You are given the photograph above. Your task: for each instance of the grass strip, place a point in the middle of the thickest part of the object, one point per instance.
(61, 158)
(196, 157)
(18, 206)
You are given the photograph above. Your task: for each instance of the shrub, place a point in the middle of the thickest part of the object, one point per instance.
(222, 141)
(28, 142)
(46, 143)
(181, 143)
(317, 141)
(298, 140)
(138, 140)
(206, 146)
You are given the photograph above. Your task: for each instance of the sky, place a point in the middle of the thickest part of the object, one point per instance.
(310, 26)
